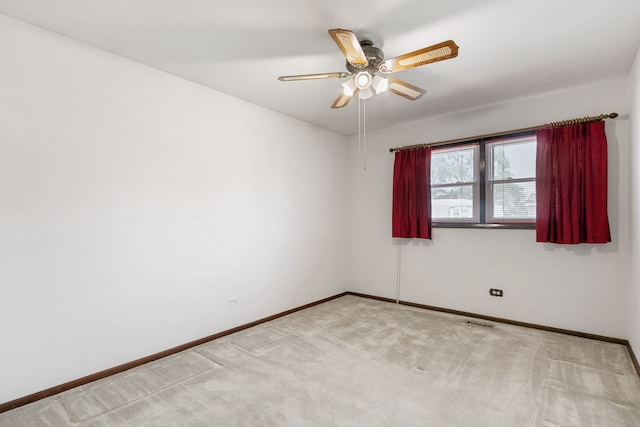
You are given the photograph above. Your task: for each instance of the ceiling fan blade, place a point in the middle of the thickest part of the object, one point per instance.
(337, 75)
(350, 47)
(427, 55)
(405, 89)
(342, 100)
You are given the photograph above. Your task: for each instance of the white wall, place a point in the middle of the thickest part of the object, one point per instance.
(133, 204)
(634, 283)
(582, 288)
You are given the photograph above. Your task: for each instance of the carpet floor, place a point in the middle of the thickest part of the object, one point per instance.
(354, 361)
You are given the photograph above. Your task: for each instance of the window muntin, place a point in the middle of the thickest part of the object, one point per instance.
(484, 183)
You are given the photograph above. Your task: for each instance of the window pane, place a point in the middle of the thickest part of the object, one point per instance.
(452, 165)
(514, 200)
(513, 159)
(452, 202)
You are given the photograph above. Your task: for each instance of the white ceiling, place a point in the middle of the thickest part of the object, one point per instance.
(508, 48)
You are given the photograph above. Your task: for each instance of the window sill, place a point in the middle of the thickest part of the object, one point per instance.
(513, 226)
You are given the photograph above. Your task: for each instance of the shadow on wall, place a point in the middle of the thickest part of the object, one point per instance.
(584, 249)
(413, 242)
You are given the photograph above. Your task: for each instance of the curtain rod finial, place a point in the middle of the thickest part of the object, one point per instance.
(613, 115)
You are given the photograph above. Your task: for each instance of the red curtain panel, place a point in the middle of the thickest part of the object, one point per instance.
(571, 184)
(411, 216)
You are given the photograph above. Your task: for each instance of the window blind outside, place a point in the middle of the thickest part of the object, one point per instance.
(511, 174)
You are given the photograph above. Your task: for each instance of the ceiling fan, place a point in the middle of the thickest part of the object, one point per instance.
(365, 60)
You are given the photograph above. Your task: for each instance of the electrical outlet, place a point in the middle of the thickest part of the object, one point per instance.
(495, 292)
(232, 300)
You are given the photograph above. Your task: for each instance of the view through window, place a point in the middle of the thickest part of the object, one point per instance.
(490, 181)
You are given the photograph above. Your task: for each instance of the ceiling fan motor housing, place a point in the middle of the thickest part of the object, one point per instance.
(374, 56)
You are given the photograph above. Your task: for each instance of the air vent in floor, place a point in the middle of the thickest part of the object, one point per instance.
(476, 323)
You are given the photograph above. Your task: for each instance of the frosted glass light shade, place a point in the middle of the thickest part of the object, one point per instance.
(363, 80)
(349, 87)
(365, 93)
(379, 84)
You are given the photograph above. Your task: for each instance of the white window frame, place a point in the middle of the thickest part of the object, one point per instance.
(491, 183)
(475, 187)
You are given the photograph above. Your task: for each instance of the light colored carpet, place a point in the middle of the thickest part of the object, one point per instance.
(359, 362)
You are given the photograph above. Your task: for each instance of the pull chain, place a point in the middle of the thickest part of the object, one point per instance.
(364, 135)
(362, 131)
(359, 128)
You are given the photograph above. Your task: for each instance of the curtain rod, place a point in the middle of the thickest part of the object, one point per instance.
(490, 135)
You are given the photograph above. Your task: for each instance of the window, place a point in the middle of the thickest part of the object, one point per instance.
(511, 180)
(455, 184)
(485, 183)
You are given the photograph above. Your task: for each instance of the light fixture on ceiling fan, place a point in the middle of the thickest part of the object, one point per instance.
(363, 83)
(365, 60)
